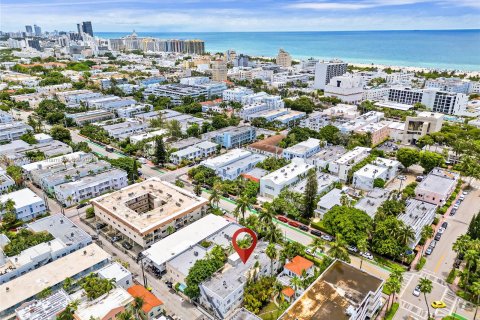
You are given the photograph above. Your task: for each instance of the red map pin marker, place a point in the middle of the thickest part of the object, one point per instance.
(244, 254)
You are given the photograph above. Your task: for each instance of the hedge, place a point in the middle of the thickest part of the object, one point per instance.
(451, 276)
(319, 226)
(391, 313)
(420, 264)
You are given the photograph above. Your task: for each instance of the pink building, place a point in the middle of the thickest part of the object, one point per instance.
(437, 187)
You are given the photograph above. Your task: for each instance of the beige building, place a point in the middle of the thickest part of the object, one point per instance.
(219, 70)
(284, 59)
(421, 125)
(142, 213)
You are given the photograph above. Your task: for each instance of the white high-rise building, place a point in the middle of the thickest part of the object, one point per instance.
(326, 70)
(347, 88)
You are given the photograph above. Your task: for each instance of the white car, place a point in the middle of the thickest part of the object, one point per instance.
(441, 230)
(352, 249)
(309, 251)
(367, 255)
(462, 197)
(456, 206)
(327, 237)
(401, 178)
(464, 193)
(142, 160)
(416, 291)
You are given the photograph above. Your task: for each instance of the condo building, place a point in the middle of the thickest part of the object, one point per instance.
(326, 70)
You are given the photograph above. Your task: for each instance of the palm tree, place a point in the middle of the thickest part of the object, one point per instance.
(266, 216)
(296, 282)
(362, 246)
(138, 303)
(243, 204)
(317, 244)
(197, 189)
(273, 234)
(67, 284)
(427, 233)
(338, 249)
(214, 196)
(69, 199)
(461, 244)
(125, 315)
(426, 287)
(405, 234)
(470, 257)
(475, 290)
(272, 254)
(170, 230)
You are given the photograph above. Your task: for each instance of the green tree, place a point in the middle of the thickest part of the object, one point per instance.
(28, 138)
(408, 157)
(138, 303)
(272, 254)
(243, 204)
(475, 290)
(470, 167)
(215, 196)
(60, 133)
(427, 233)
(317, 244)
(194, 130)
(160, 153)
(174, 129)
(353, 224)
(310, 194)
(378, 183)
(362, 246)
(426, 287)
(338, 249)
(392, 207)
(197, 189)
(430, 160)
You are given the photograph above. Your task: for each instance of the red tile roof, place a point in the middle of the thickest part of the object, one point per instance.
(298, 264)
(288, 292)
(150, 300)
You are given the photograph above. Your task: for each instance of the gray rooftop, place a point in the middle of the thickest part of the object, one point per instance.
(439, 181)
(61, 228)
(372, 201)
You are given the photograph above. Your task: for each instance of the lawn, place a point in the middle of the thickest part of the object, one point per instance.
(270, 312)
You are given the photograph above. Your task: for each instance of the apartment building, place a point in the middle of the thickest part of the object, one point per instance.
(304, 149)
(141, 213)
(5, 117)
(76, 96)
(83, 118)
(348, 89)
(90, 186)
(342, 166)
(236, 94)
(68, 159)
(198, 151)
(17, 151)
(341, 292)
(131, 111)
(44, 309)
(105, 307)
(125, 129)
(449, 84)
(27, 204)
(5, 182)
(326, 70)
(379, 131)
(283, 59)
(230, 165)
(422, 124)
(13, 130)
(232, 137)
(437, 187)
(219, 70)
(272, 184)
(418, 214)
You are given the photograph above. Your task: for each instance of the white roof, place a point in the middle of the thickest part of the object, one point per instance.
(22, 198)
(227, 158)
(370, 171)
(171, 246)
(114, 271)
(286, 173)
(52, 161)
(100, 307)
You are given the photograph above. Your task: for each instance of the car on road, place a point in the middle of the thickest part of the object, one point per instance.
(282, 218)
(309, 251)
(352, 249)
(303, 227)
(316, 233)
(441, 230)
(142, 160)
(429, 251)
(453, 211)
(445, 225)
(419, 178)
(367, 255)
(438, 236)
(127, 245)
(456, 206)
(401, 178)
(461, 198)
(108, 149)
(81, 205)
(115, 239)
(438, 304)
(464, 193)
(94, 237)
(293, 224)
(327, 237)
(433, 244)
(416, 291)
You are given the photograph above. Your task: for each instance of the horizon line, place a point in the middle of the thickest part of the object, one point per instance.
(372, 30)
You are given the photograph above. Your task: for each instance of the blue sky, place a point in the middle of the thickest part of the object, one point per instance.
(238, 15)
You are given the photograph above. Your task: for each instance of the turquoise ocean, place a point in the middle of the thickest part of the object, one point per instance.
(440, 49)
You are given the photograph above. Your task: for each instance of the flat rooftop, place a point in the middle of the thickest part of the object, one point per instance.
(61, 228)
(439, 181)
(372, 201)
(22, 198)
(166, 203)
(291, 170)
(269, 144)
(350, 156)
(176, 243)
(226, 158)
(330, 153)
(100, 307)
(33, 282)
(370, 171)
(303, 146)
(328, 298)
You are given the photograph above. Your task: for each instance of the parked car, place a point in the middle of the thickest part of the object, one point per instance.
(294, 224)
(458, 202)
(282, 218)
(127, 245)
(462, 197)
(453, 211)
(433, 244)
(416, 291)
(94, 237)
(100, 225)
(352, 249)
(464, 193)
(419, 178)
(438, 236)
(327, 237)
(456, 206)
(81, 205)
(445, 225)
(309, 251)
(303, 227)
(316, 233)
(457, 263)
(441, 230)
(438, 304)
(115, 239)
(367, 255)
(429, 251)
(142, 160)
(108, 149)
(401, 178)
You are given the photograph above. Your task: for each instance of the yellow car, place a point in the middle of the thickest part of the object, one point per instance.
(438, 304)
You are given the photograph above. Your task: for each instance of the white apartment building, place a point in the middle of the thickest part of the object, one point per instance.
(13, 130)
(123, 278)
(437, 187)
(272, 184)
(349, 89)
(230, 165)
(376, 94)
(449, 84)
(315, 121)
(381, 168)
(5, 117)
(88, 187)
(417, 215)
(198, 151)
(143, 136)
(124, 130)
(360, 121)
(326, 70)
(236, 94)
(304, 149)
(141, 213)
(131, 111)
(27, 204)
(76, 157)
(272, 101)
(342, 166)
(5, 182)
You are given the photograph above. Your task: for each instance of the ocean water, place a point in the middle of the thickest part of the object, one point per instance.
(442, 49)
